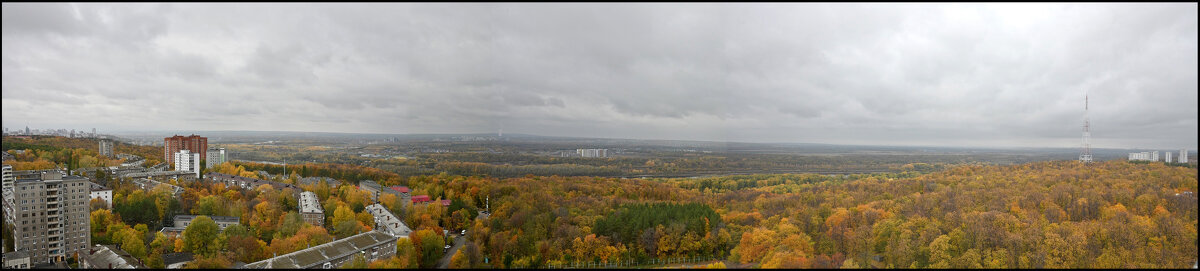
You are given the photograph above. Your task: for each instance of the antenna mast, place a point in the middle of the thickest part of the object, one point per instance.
(1086, 155)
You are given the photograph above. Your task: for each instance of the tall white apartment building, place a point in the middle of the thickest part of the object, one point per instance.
(186, 160)
(1154, 156)
(1167, 158)
(1183, 156)
(1139, 156)
(592, 152)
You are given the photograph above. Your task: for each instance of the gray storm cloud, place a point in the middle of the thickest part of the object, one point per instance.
(878, 74)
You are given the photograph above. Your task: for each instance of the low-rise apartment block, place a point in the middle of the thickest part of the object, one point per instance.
(310, 209)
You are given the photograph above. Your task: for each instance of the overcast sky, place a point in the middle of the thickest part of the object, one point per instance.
(877, 74)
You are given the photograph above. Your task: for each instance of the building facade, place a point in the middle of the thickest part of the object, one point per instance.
(50, 216)
(1139, 156)
(193, 143)
(186, 160)
(310, 209)
(103, 193)
(592, 153)
(1183, 156)
(182, 221)
(372, 188)
(1167, 157)
(8, 178)
(106, 148)
(214, 156)
(17, 260)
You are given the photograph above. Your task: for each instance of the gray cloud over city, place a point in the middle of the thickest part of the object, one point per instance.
(1000, 75)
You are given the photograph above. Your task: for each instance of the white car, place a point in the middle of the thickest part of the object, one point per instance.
(464, 232)
(447, 247)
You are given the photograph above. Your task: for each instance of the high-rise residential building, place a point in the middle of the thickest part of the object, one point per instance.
(1154, 156)
(1139, 156)
(1183, 156)
(592, 152)
(186, 160)
(1167, 157)
(49, 215)
(216, 156)
(193, 143)
(8, 179)
(106, 148)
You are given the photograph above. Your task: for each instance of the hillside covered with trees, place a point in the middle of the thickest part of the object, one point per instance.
(1056, 214)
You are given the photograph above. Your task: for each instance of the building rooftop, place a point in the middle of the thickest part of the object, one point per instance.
(104, 256)
(57, 265)
(314, 180)
(38, 178)
(15, 255)
(369, 184)
(311, 257)
(174, 258)
(251, 181)
(387, 221)
(309, 203)
(420, 198)
(401, 189)
(215, 218)
(157, 174)
(98, 187)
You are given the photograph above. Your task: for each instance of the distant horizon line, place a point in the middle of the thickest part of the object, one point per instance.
(176, 132)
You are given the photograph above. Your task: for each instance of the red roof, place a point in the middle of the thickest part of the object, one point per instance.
(421, 198)
(401, 189)
(445, 202)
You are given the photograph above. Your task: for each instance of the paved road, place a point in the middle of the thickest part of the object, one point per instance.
(444, 262)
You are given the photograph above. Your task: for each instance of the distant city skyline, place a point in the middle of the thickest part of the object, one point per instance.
(971, 75)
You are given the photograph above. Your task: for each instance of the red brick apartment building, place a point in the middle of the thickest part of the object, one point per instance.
(193, 143)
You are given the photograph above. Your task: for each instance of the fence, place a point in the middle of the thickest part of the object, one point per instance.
(632, 263)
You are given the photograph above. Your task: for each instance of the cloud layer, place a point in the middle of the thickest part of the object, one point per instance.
(878, 74)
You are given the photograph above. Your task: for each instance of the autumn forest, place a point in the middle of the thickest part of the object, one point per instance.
(1043, 214)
